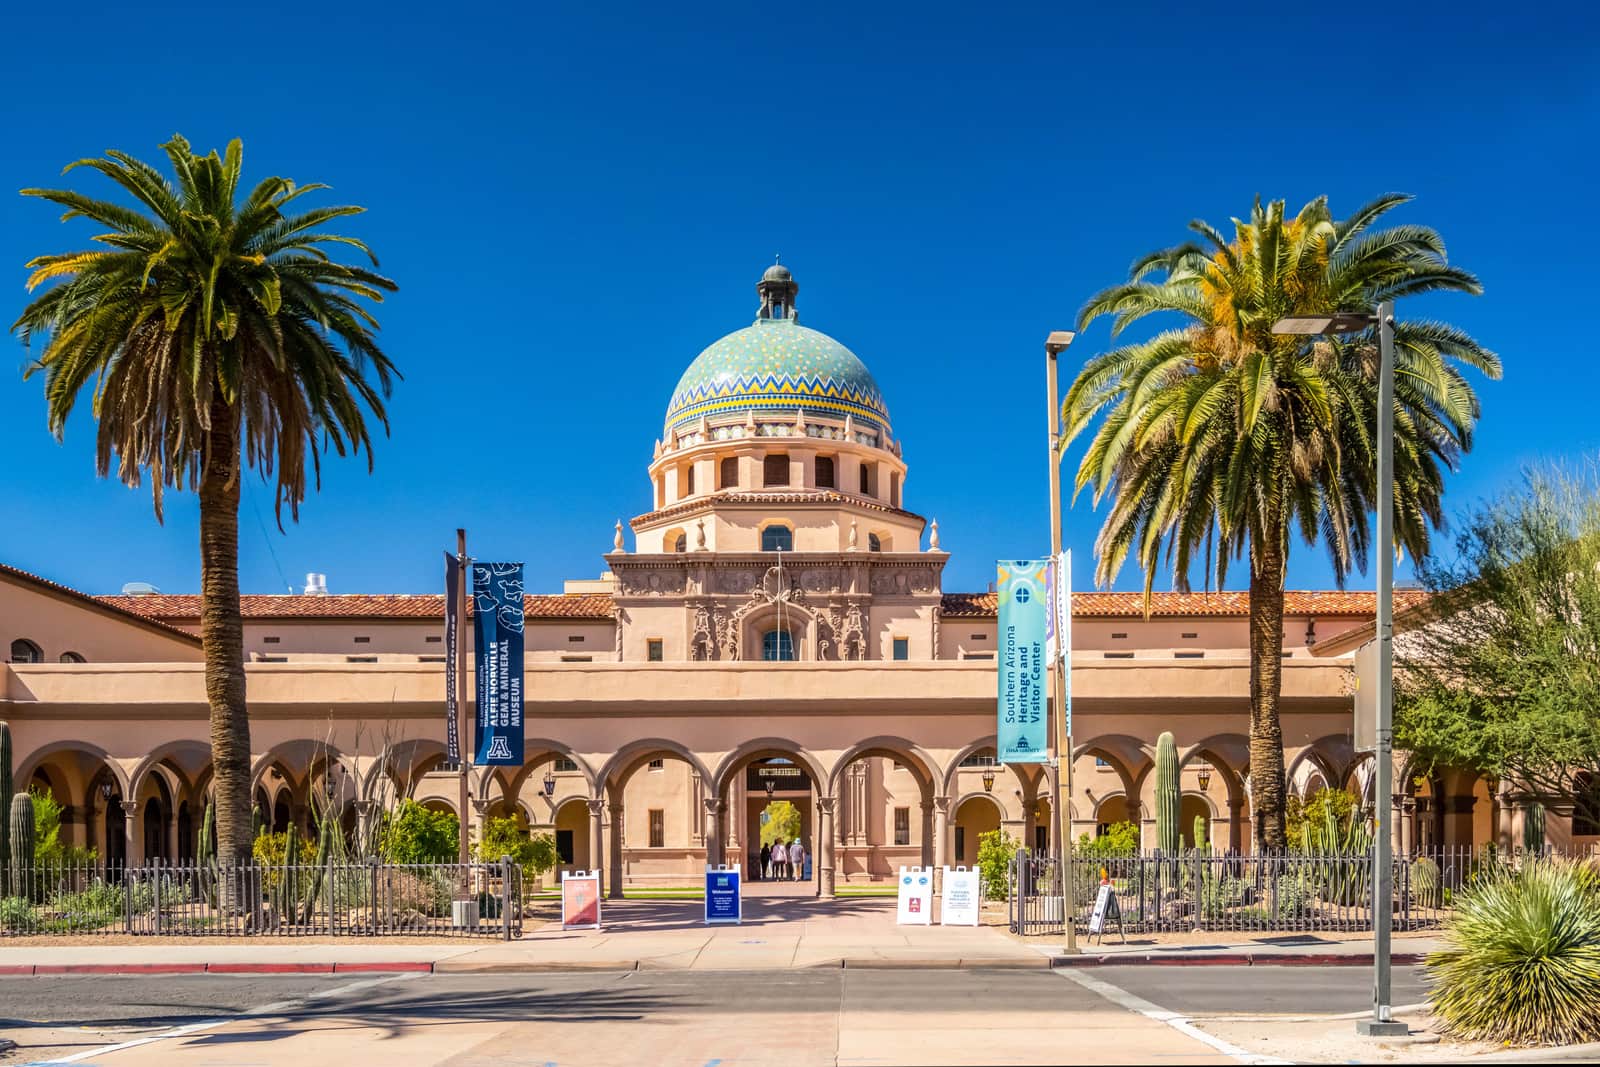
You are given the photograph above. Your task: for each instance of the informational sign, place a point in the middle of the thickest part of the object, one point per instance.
(452, 656)
(915, 905)
(1024, 604)
(580, 900)
(497, 633)
(958, 902)
(723, 899)
(1106, 910)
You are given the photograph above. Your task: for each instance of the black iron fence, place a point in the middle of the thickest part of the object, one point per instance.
(1278, 892)
(350, 899)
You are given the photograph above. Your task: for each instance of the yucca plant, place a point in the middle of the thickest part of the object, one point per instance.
(1522, 964)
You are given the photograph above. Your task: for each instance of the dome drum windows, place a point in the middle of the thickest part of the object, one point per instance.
(777, 538)
(824, 469)
(775, 470)
(728, 476)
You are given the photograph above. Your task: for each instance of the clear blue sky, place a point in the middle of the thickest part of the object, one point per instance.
(577, 199)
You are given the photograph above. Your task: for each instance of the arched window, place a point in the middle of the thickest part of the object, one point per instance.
(681, 543)
(777, 645)
(777, 538)
(25, 651)
(688, 480)
(824, 472)
(874, 543)
(866, 480)
(72, 657)
(775, 470)
(729, 476)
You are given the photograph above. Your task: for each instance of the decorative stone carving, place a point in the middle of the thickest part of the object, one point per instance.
(850, 546)
(616, 539)
(652, 582)
(700, 536)
(933, 536)
(903, 581)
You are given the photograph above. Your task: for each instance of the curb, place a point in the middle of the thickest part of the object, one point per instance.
(44, 969)
(1234, 959)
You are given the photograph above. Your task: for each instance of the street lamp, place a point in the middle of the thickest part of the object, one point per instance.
(771, 785)
(988, 779)
(1205, 777)
(1382, 1023)
(549, 782)
(1056, 343)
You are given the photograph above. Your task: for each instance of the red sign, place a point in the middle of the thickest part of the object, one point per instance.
(580, 902)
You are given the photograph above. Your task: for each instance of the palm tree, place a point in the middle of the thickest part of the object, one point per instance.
(219, 334)
(1217, 437)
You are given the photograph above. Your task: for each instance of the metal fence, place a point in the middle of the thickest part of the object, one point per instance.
(1277, 893)
(350, 899)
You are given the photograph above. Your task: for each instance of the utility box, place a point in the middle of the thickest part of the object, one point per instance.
(464, 914)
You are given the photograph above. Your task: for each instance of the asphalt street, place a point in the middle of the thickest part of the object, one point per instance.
(1262, 990)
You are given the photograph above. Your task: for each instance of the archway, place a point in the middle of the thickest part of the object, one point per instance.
(884, 814)
(573, 848)
(1109, 812)
(1192, 809)
(654, 828)
(974, 816)
(759, 772)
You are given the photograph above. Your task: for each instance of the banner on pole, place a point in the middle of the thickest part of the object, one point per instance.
(580, 900)
(915, 904)
(497, 636)
(724, 903)
(452, 659)
(1024, 606)
(958, 902)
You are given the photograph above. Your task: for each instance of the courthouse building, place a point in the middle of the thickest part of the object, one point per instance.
(775, 627)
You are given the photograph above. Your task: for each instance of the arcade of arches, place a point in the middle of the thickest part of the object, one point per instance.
(780, 618)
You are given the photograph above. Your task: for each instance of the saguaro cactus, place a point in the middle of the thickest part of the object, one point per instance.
(5, 791)
(1201, 824)
(1168, 836)
(1533, 827)
(22, 840)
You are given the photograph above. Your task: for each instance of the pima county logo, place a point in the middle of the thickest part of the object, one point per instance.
(498, 749)
(1022, 595)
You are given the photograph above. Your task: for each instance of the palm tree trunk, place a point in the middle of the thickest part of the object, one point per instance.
(1266, 682)
(222, 636)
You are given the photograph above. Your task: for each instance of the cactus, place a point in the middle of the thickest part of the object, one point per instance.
(1333, 846)
(205, 855)
(258, 825)
(22, 842)
(1533, 827)
(5, 791)
(1201, 824)
(1168, 837)
(1426, 885)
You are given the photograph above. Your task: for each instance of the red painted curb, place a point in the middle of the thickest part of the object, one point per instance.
(269, 968)
(383, 968)
(120, 968)
(16, 968)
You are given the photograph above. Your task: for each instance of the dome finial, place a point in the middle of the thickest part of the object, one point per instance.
(778, 289)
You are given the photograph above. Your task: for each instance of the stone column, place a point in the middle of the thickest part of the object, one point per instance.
(1504, 811)
(928, 845)
(941, 831)
(135, 844)
(480, 815)
(596, 809)
(825, 848)
(713, 830)
(614, 882)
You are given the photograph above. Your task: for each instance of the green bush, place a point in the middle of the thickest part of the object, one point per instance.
(995, 851)
(1304, 817)
(1120, 839)
(48, 848)
(535, 853)
(16, 915)
(1522, 962)
(414, 834)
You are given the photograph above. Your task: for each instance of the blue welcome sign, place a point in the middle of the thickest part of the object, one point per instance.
(1024, 593)
(722, 894)
(497, 647)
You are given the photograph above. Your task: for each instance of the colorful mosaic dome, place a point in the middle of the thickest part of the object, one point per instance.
(775, 367)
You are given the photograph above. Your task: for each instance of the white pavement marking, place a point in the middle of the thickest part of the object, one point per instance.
(1124, 999)
(275, 1008)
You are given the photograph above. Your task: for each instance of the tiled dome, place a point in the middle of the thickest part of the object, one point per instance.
(776, 367)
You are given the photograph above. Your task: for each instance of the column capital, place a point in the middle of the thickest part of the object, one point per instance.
(825, 805)
(363, 807)
(941, 804)
(480, 806)
(596, 806)
(713, 805)
(615, 807)
(130, 808)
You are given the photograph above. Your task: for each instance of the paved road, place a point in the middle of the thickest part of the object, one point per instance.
(1261, 990)
(788, 1018)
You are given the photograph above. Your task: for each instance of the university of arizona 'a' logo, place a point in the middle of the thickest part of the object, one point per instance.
(499, 749)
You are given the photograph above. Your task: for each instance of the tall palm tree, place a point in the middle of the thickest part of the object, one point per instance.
(1218, 438)
(219, 334)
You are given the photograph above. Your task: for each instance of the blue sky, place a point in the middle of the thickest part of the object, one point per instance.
(577, 199)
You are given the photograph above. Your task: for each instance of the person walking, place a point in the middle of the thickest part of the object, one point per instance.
(780, 860)
(797, 860)
(763, 870)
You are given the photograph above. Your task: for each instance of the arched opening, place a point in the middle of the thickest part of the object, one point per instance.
(777, 811)
(653, 823)
(1110, 811)
(775, 470)
(778, 645)
(728, 473)
(977, 815)
(573, 849)
(874, 543)
(1194, 812)
(25, 651)
(777, 538)
(825, 472)
(72, 657)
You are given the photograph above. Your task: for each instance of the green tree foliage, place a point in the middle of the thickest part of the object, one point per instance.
(48, 848)
(534, 853)
(782, 825)
(1303, 814)
(1501, 672)
(1119, 839)
(415, 834)
(270, 850)
(219, 335)
(1521, 963)
(1219, 440)
(995, 851)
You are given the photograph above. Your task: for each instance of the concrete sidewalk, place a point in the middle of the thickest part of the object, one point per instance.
(669, 935)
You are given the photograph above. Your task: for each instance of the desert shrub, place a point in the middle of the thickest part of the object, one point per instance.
(1522, 962)
(1303, 817)
(16, 914)
(415, 834)
(995, 850)
(534, 853)
(425, 893)
(1120, 839)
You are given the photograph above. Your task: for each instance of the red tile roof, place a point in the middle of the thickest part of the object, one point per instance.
(424, 606)
(109, 605)
(1131, 605)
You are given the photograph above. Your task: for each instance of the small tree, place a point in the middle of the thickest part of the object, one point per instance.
(782, 825)
(995, 850)
(1120, 839)
(534, 853)
(48, 848)
(414, 834)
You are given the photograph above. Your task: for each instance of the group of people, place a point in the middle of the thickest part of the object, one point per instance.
(784, 862)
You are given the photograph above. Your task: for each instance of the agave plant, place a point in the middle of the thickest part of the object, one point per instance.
(1523, 959)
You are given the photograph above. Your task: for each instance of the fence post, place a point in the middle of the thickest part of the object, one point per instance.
(127, 899)
(372, 864)
(505, 896)
(156, 885)
(1199, 919)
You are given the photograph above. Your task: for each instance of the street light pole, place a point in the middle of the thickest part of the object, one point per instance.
(1054, 345)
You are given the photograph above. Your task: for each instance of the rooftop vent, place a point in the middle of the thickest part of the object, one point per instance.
(316, 584)
(139, 589)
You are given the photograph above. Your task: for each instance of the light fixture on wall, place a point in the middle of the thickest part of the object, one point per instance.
(549, 782)
(1205, 777)
(771, 785)
(988, 780)
(106, 789)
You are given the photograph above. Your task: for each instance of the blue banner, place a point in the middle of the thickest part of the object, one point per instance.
(497, 645)
(722, 894)
(1022, 733)
(452, 657)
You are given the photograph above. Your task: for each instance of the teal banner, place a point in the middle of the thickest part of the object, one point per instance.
(1022, 734)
